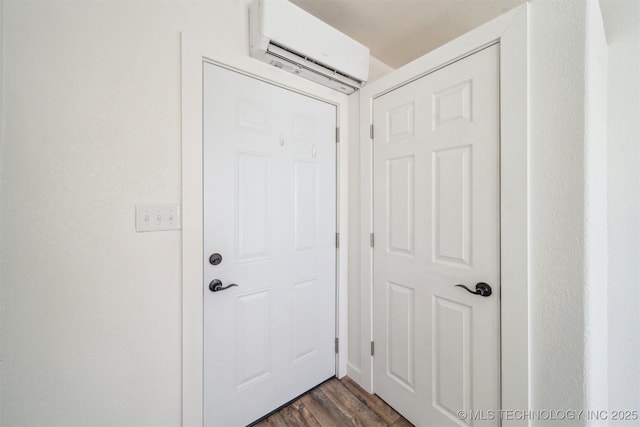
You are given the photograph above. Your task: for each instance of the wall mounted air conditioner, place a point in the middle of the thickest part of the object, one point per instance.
(284, 35)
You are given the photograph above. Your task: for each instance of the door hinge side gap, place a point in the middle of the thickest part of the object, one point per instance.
(372, 240)
(371, 131)
(337, 240)
(337, 345)
(373, 348)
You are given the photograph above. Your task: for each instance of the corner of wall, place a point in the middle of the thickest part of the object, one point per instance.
(354, 324)
(377, 68)
(595, 197)
(622, 25)
(2, 26)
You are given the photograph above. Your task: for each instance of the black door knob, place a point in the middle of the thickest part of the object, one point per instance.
(216, 286)
(482, 289)
(215, 259)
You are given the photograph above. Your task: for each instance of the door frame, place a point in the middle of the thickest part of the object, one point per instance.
(510, 31)
(195, 51)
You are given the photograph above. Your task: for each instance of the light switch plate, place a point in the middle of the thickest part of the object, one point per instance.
(158, 217)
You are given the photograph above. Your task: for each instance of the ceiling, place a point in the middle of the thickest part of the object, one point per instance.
(399, 31)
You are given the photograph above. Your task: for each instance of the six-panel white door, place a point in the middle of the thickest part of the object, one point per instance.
(436, 223)
(270, 212)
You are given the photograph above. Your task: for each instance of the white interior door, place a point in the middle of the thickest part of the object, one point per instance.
(436, 224)
(270, 213)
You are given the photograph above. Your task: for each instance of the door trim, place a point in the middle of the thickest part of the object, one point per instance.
(510, 31)
(196, 51)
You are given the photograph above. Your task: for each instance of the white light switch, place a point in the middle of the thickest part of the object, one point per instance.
(157, 217)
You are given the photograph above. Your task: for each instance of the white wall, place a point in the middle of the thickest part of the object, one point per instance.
(1, 163)
(91, 319)
(557, 199)
(622, 26)
(568, 206)
(377, 69)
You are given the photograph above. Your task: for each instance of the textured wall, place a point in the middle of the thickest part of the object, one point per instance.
(91, 317)
(568, 193)
(557, 184)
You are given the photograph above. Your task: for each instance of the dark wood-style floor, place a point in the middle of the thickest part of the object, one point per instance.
(336, 403)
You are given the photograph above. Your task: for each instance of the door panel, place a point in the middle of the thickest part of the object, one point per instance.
(436, 219)
(400, 205)
(252, 332)
(400, 334)
(253, 206)
(305, 188)
(452, 362)
(270, 211)
(452, 205)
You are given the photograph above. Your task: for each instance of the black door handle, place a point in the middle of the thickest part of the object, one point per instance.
(216, 286)
(482, 289)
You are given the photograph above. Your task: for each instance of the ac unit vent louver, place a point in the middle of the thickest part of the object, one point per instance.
(289, 38)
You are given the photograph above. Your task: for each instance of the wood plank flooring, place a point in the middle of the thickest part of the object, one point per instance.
(336, 403)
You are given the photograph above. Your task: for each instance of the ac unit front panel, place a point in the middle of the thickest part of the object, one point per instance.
(287, 25)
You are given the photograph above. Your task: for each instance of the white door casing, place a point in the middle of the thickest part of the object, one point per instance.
(437, 224)
(270, 211)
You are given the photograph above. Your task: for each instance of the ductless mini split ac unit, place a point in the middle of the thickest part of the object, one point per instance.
(284, 35)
